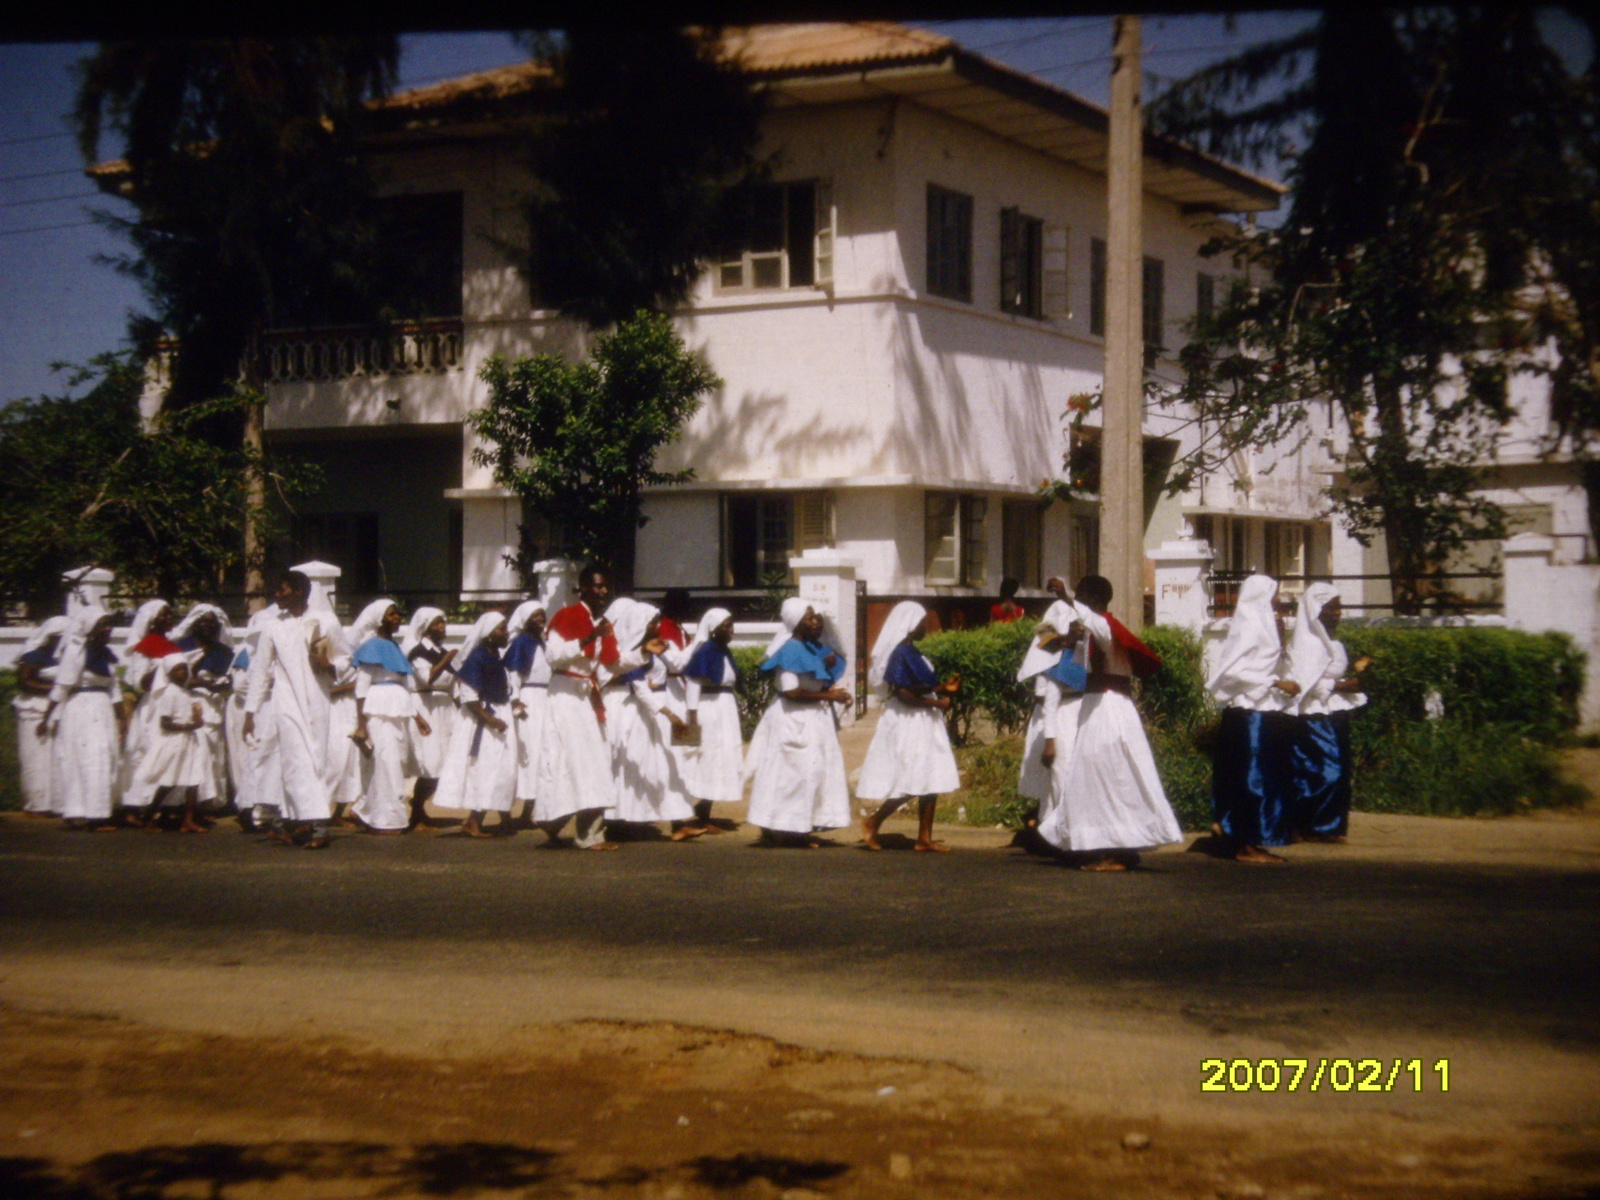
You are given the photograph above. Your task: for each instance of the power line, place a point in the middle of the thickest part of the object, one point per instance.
(38, 137)
(1061, 32)
(50, 199)
(41, 175)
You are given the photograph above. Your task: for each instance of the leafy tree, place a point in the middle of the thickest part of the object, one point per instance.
(1424, 131)
(255, 211)
(577, 441)
(83, 482)
(644, 141)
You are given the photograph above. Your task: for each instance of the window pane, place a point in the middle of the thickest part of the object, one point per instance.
(766, 270)
(801, 233)
(949, 244)
(940, 511)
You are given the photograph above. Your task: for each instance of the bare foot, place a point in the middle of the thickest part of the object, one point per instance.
(932, 847)
(474, 831)
(869, 834)
(102, 827)
(1256, 855)
(686, 832)
(605, 846)
(712, 827)
(193, 827)
(151, 826)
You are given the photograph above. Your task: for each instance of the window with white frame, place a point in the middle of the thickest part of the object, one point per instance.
(1084, 552)
(1285, 545)
(761, 531)
(953, 542)
(785, 238)
(1205, 294)
(1021, 264)
(949, 243)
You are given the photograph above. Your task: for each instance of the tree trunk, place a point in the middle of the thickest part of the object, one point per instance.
(255, 419)
(1402, 532)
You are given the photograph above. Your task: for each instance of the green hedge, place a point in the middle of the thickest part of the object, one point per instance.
(987, 659)
(755, 690)
(1508, 700)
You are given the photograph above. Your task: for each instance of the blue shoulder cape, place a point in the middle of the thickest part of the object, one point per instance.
(382, 652)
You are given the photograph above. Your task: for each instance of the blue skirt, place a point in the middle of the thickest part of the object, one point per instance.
(1322, 769)
(1252, 781)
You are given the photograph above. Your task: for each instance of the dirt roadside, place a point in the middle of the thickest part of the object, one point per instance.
(298, 1075)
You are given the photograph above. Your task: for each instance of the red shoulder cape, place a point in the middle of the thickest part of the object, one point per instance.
(155, 645)
(575, 622)
(1143, 660)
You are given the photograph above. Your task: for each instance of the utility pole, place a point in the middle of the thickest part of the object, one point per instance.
(1122, 440)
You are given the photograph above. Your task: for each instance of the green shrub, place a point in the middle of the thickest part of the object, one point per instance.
(989, 796)
(987, 660)
(755, 690)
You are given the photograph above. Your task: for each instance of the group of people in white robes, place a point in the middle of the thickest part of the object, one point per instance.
(1282, 766)
(1086, 758)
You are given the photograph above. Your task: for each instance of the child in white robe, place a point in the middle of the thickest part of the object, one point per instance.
(178, 757)
(713, 770)
(910, 754)
(480, 770)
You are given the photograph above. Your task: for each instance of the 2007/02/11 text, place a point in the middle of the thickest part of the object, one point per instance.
(1337, 1074)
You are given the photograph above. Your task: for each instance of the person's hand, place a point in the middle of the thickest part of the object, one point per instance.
(839, 695)
(676, 721)
(520, 709)
(448, 655)
(195, 715)
(1287, 686)
(694, 716)
(423, 727)
(831, 661)
(656, 645)
(602, 629)
(941, 702)
(1049, 755)
(43, 732)
(495, 723)
(1361, 664)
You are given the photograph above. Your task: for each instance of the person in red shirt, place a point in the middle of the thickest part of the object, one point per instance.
(1008, 610)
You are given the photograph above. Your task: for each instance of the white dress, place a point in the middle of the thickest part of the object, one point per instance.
(389, 701)
(910, 754)
(480, 769)
(348, 768)
(241, 756)
(532, 687)
(714, 770)
(797, 768)
(1060, 715)
(574, 759)
(282, 665)
(84, 746)
(1110, 796)
(33, 752)
(175, 758)
(649, 785)
(1033, 781)
(135, 667)
(438, 708)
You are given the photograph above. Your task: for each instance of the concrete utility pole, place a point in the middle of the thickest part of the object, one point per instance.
(1122, 442)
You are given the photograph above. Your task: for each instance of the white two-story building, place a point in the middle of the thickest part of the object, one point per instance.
(919, 296)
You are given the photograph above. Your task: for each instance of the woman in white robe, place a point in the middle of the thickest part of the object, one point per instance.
(648, 784)
(798, 781)
(1111, 803)
(386, 709)
(910, 754)
(1320, 760)
(36, 676)
(713, 770)
(480, 770)
(141, 652)
(82, 724)
(1035, 778)
(423, 646)
(1251, 777)
(529, 668)
(252, 765)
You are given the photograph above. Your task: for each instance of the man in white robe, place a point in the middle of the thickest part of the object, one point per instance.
(294, 650)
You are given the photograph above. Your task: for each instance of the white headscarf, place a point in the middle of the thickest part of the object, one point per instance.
(320, 606)
(366, 625)
(165, 667)
(186, 626)
(486, 624)
(629, 619)
(417, 626)
(794, 611)
(1058, 618)
(1315, 656)
(74, 646)
(520, 615)
(902, 619)
(1249, 657)
(141, 621)
(709, 624)
(55, 627)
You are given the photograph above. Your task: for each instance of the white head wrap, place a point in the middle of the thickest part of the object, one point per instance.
(74, 645)
(417, 626)
(1057, 619)
(141, 621)
(791, 614)
(1249, 657)
(366, 625)
(486, 624)
(165, 667)
(629, 619)
(709, 624)
(902, 619)
(186, 626)
(320, 606)
(55, 627)
(520, 615)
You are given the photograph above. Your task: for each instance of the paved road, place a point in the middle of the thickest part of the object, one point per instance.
(1339, 940)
